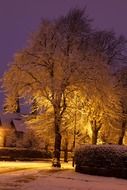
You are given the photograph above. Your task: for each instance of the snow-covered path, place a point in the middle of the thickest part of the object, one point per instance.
(40, 176)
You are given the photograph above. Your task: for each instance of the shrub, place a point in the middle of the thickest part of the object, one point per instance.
(23, 154)
(106, 160)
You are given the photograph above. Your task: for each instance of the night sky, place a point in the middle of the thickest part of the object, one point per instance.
(18, 18)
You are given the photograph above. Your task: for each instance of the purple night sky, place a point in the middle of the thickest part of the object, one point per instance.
(18, 18)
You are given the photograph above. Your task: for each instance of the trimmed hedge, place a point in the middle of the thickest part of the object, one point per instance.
(105, 160)
(12, 154)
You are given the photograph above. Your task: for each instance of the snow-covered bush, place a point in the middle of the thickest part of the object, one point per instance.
(107, 160)
(23, 154)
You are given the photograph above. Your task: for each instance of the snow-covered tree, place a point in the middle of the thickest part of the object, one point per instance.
(50, 62)
(121, 76)
(57, 63)
(101, 103)
(11, 90)
(113, 49)
(110, 46)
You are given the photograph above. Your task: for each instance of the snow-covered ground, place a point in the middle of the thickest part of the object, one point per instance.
(41, 176)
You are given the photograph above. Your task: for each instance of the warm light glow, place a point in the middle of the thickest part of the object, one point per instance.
(31, 165)
(2, 137)
(88, 129)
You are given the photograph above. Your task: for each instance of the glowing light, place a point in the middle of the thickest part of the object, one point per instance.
(2, 137)
(31, 165)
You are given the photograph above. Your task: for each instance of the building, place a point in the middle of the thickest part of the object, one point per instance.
(12, 128)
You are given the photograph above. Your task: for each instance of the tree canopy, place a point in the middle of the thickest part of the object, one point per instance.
(65, 58)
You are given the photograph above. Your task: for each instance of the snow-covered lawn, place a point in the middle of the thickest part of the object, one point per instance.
(41, 176)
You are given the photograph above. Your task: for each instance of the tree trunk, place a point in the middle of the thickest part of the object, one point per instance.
(57, 145)
(95, 130)
(94, 136)
(66, 150)
(123, 129)
(58, 112)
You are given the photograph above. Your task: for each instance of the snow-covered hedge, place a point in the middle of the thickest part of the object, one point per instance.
(106, 160)
(23, 154)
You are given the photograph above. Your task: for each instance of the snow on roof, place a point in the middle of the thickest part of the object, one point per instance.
(8, 118)
(5, 121)
(19, 125)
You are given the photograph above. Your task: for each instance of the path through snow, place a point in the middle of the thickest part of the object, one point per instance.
(40, 178)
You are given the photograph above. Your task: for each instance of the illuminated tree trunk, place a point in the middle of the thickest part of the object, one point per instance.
(57, 144)
(95, 130)
(123, 129)
(58, 113)
(94, 136)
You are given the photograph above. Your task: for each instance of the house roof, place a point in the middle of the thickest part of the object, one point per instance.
(11, 115)
(9, 119)
(19, 125)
